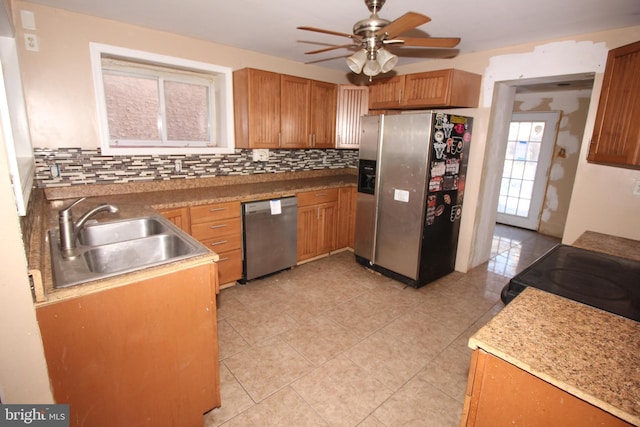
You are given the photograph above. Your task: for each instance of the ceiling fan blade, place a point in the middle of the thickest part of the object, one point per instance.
(406, 22)
(329, 48)
(335, 33)
(445, 42)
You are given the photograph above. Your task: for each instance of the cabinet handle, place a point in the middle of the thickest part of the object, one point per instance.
(279, 139)
(213, 227)
(399, 96)
(217, 209)
(223, 259)
(321, 194)
(221, 242)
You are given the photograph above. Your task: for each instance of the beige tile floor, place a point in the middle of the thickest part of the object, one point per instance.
(330, 343)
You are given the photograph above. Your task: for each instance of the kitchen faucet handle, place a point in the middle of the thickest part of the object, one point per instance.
(66, 212)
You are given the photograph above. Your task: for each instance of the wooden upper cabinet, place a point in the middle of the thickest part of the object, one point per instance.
(432, 89)
(386, 92)
(353, 103)
(616, 133)
(295, 103)
(280, 111)
(322, 116)
(256, 95)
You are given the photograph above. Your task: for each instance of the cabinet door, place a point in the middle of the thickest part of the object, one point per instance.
(345, 234)
(386, 93)
(307, 232)
(442, 88)
(178, 216)
(294, 112)
(322, 119)
(256, 108)
(431, 88)
(327, 221)
(353, 103)
(501, 394)
(616, 134)
(141, 354)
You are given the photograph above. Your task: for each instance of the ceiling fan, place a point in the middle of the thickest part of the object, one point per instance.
(374, 33)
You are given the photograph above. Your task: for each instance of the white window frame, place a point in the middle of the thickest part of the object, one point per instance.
(221, 97)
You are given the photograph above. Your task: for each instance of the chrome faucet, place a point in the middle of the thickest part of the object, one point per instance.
(69, 229)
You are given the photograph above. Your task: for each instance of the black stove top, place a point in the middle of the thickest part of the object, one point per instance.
(603, 281)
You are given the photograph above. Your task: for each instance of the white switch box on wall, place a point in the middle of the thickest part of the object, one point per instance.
(636, 188)
(261, 155)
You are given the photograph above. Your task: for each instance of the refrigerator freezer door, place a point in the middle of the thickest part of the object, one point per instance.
(367, 187)
(402, 176)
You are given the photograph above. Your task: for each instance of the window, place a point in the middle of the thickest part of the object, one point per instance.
(153, 104)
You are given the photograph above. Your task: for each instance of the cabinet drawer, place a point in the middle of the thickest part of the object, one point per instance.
(214, 212)
(224, 243)
(230, 266)
(316, 197)
(215, 229)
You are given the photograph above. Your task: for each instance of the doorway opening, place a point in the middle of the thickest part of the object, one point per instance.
(569, 94)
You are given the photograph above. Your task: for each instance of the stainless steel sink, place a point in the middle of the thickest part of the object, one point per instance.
(117, 247)
(118, 231)
(133, 253)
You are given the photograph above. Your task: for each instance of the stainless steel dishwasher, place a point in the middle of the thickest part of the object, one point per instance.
(270, 236)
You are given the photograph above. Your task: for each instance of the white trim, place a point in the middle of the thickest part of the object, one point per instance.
(223, 83)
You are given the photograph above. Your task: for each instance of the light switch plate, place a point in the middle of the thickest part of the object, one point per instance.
(636, 188)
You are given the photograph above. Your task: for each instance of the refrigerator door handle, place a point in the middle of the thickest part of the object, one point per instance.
(377, 189)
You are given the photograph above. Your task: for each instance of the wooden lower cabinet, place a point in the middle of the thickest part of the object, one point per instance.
(178, 216)
(143, 354)
(345, 236)
(501, 394)
(218, 226)
(317, 223)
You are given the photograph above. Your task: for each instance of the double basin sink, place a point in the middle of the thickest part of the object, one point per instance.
(122, 246)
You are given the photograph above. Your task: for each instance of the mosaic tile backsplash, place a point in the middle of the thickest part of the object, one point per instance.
(76, 166)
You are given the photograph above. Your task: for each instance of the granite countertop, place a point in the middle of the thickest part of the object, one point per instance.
(582, 350)
(141, 199)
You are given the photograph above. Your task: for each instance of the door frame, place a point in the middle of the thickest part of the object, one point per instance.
(503, 100)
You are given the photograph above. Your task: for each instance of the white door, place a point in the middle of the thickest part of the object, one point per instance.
(530, 145)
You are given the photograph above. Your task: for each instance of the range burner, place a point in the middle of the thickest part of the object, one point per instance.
(603, 281)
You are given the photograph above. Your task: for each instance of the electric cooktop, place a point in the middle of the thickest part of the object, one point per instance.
(603, 281)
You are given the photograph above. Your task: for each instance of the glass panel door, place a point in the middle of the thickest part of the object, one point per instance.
(524, 177)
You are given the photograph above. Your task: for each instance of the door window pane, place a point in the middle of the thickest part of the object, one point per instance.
(537, 131)
(533, 151)
(530, 171)
(518, 170)
(526, 190)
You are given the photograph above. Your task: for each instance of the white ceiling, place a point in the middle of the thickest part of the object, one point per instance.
(270, 26)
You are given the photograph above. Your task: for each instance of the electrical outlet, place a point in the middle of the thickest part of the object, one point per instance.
(261, 155)
(31, 42)
(636, 188)
(178, 165)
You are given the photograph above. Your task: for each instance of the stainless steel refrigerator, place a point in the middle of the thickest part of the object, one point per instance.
(411, 177)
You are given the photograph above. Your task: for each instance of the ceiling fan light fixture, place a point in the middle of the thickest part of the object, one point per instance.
(371, 68)
(387, 60)
(357, 61)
